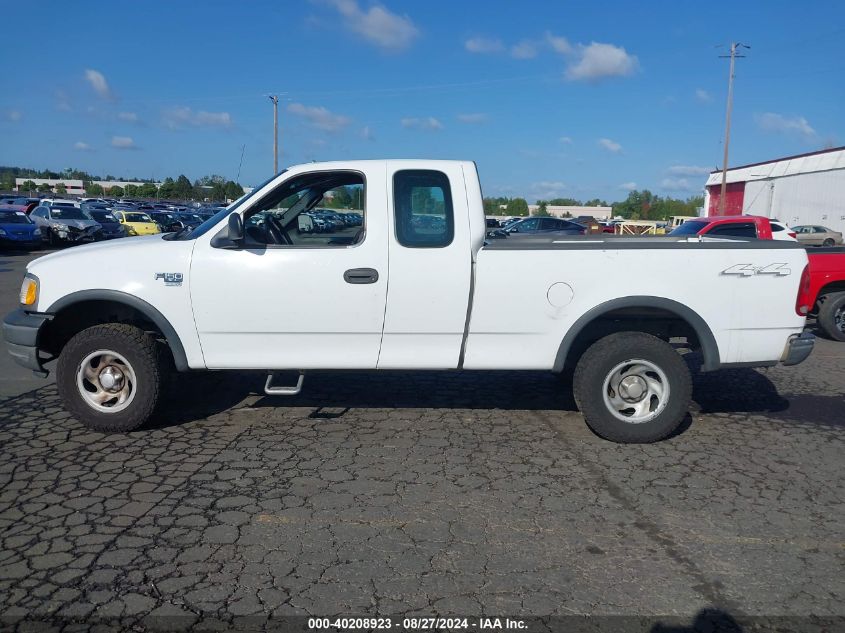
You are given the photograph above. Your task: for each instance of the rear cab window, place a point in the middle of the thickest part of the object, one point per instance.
(422, 208)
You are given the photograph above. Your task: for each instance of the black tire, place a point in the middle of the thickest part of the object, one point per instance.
(144, 355)
(831, 317)
(828, 242)
(598, 363)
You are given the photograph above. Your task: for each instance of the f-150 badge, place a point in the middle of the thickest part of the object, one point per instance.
(747, 270)
(170, 279)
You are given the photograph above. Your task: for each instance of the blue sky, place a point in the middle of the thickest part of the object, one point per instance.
(576, 99)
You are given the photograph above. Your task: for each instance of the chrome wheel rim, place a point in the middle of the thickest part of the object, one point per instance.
(636, 391)
(106, 381)
(839, 319)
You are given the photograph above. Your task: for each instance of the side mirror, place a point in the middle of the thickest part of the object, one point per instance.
(236, 229)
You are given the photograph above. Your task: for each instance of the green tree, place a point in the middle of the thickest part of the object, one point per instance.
(44, 187)
(543, 210)
(595, 202)
(517, 207)
(116, 192)
(565, 202)
(60, 188)
(183, 188)
(28, 185)
(131, 190)
(167, 189)
(93, 189)
(233, 190)
(147, 190)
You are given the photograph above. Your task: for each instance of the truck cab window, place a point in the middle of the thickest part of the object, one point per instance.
(321, 209)
(422, 207)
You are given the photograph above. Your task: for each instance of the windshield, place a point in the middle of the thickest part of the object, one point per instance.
(137, 217)
(67, 213)
(690, 227)
(214, 219)
(101, 216)
(13, 217)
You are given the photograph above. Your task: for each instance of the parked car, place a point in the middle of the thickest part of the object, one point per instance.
(212, 299)
(136, 222)
(781, 231)
(753, 226)
(542, 225)
(17, 230)
(492, 223)
(827, 289)
(814, 235)
(112, 228)
(190, 219)
(61, 223)
(167, 222)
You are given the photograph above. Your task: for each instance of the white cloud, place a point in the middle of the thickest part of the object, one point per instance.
(703, 96)
(565, 140)
(181, 116)
(526, 49)
(99, 84)
(546, 189)
(597, 61)
(424, 123)
(472, 117)
(780, 124)
(680, 184)
(62, 101)
(320, 117)
(367, 133)
(689, 170)
(129, 117)
(14, 115)
(377, 25)
(484, 45)
(610, 146)
(628, 186)
(84, 147)
(123, 142)
(559, 44)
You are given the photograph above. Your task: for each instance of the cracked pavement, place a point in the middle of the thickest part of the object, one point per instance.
(426, 493)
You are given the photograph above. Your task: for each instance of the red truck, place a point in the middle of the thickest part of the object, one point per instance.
(736, 226)
(827, 289)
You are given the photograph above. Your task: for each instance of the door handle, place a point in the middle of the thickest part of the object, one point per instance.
(361, 276)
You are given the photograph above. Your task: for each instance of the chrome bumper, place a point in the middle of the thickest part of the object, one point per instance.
(798, 348)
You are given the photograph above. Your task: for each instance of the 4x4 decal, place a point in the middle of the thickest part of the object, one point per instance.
(747, 270)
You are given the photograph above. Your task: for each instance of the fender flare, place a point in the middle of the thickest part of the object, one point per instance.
(709, 347)
(116, 296)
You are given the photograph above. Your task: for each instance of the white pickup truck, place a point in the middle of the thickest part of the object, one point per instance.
(400, 277)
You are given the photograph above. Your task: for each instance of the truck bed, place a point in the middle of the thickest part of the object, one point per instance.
(546, 241)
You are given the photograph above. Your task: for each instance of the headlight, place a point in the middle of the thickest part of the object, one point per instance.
(130, 230)
(61, 227)
(2, 232)
(36, 232)
(29, 291)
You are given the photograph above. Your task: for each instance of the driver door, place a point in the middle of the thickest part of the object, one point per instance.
(293, 298)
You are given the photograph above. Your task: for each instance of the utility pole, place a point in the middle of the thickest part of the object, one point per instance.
(734, 47)
(275, 100)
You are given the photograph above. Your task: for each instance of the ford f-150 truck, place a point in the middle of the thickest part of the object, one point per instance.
(413, 287)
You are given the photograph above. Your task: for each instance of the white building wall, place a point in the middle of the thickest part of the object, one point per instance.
(808, 198)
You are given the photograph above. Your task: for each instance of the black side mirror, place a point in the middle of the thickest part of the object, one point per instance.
(236, 229)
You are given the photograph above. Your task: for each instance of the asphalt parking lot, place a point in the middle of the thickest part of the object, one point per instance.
(415, 493)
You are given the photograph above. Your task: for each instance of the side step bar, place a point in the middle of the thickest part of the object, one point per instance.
(270, 390)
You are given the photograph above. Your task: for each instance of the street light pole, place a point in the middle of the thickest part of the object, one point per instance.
(275, 100)
(733, 56)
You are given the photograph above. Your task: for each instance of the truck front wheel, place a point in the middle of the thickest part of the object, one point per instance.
(110, 377)
(831, 317)
(632, 387)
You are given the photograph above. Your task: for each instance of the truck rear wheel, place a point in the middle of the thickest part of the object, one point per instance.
(831, 317)
(111, 377)
(632, 387)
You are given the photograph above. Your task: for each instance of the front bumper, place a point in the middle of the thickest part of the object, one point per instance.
(798, 348)
(20, 329)
(21, 242)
